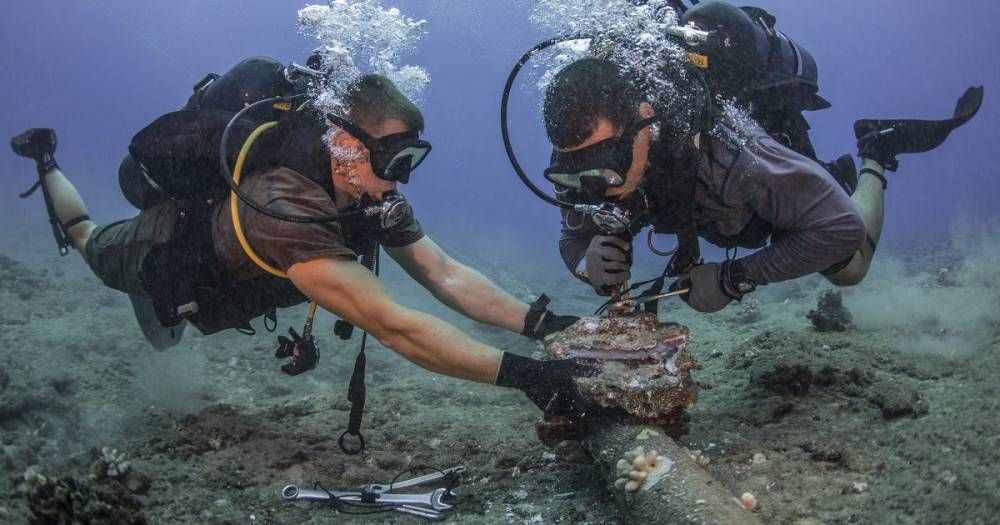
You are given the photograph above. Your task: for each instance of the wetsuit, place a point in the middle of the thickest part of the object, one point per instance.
(746, 192)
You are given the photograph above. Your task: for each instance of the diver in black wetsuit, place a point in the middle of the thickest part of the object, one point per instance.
(613, 176)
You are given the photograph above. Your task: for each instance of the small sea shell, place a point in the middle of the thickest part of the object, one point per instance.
(749, 501)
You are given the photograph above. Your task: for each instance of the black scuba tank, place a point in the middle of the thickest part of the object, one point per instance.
(753, 62)
(176, 156)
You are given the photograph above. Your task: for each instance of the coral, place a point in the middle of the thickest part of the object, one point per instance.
(749, 311)
(644, 365)
(946, 278)
(111, 464)
(641, 470)
(69, 500)
(830, 314)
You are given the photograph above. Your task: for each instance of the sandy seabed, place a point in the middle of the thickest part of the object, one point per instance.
(893, 421)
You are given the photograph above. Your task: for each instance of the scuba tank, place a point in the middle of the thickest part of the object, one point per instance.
(746, 59)
(176, 156)
(751, 61)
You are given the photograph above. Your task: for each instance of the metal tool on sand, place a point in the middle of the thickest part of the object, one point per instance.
(374, 497)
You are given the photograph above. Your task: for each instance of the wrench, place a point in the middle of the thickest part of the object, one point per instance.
(432, 500)
(421, 480)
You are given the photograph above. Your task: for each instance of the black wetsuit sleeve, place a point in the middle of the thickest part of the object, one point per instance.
(819, 223)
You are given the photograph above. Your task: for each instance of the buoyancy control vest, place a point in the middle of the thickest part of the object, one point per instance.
(180, 151)
(184, 276)
(176, 156)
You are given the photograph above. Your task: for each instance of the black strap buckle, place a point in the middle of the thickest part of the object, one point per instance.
(536, 312)
(302, 350)
(356, 394)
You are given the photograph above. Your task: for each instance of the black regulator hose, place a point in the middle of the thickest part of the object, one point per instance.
(234, 187)
(504, 126)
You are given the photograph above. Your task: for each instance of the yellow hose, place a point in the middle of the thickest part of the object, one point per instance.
(235, 213)
(234, 202)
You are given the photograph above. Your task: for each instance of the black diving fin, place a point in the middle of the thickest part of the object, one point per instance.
(882, 140)
(156, 334)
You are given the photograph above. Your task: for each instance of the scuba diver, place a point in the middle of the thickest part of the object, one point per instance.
(317, 191)
(701, 174)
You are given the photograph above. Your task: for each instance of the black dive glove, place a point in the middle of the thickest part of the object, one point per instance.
(609, 261)
(540, 322)
(713, 285)
(548, 384)
(303, 351)
(38, 144)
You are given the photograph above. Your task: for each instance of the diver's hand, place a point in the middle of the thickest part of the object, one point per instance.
(548, 384)
(609, 261)
(540, 321)
(707, 291)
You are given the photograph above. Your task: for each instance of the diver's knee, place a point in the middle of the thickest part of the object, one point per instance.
(852, 274)
(845, 278)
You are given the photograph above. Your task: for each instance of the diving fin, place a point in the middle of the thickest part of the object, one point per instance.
(882, 140)
(37, 144)
(159, 336)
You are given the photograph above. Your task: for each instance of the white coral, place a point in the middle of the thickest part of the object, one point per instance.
(117, 465)
(641, 470)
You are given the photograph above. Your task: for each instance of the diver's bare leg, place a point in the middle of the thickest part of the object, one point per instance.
(870, 199)
(68, 206)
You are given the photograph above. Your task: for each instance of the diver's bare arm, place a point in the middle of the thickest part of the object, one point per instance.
(461, 288)
(351, 292)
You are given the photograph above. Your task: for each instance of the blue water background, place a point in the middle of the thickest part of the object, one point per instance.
(99, 70)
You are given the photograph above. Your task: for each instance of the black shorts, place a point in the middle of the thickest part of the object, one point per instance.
(115, 251)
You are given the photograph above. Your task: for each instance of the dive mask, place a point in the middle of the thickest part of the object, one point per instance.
(594, 169)
(392, 157)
